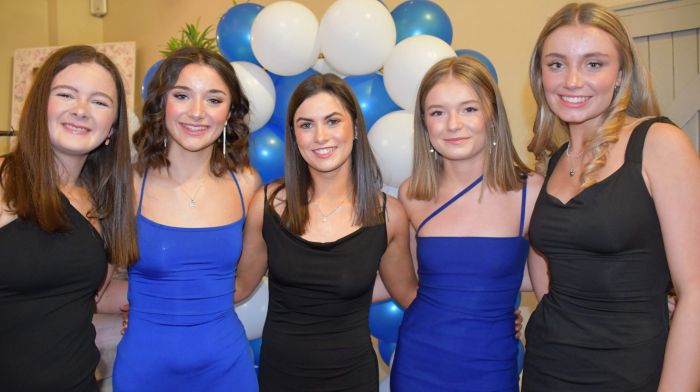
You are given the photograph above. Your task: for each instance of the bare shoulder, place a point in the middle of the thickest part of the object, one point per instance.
(667, 140)
(395, 212)
(534, 182)
(407, 202)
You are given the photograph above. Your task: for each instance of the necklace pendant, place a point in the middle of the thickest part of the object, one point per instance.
(324, 219)
(193, 203)
(571, 172)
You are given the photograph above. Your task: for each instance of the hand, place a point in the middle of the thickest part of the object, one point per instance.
(125, 317)
(518, 323)
(672, 298)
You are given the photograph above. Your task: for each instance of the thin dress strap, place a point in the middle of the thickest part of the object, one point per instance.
(143, 186)
(447, 204)
(240, 194)
(522, 208)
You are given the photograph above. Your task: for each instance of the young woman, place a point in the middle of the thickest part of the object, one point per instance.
(469, 200)
(323, 232)
(613, 219)
(65, 206)
(193, 185)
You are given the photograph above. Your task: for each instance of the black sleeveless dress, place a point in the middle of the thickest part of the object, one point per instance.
(47, 287)
(604, 323)
(316, 335)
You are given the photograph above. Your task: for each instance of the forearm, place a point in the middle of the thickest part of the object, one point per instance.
(681, 370)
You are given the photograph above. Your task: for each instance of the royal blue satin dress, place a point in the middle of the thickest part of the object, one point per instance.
(458, 334)
(183, 332)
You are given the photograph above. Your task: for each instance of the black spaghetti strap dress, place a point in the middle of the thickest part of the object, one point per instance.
(316, 335)
(604, 323)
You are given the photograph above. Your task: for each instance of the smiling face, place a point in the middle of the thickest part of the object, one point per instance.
(580, 69)
(82, 107)
(324, 133)
(455, 120)
(196, 109)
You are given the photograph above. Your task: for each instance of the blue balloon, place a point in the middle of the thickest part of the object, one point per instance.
(147, 78)
(386, 350)
(284, 87)
(421, 17)
(372, 97)
(233, 32)
(255, 345)
(385, 319)
(266, 151)
(481, 58)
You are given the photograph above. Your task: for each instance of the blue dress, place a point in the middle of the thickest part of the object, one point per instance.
(183, 332)
(458, 334)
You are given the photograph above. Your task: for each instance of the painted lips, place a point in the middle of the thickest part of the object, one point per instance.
(324, 152)
(574, 101)
(194, 129)
(76, 129)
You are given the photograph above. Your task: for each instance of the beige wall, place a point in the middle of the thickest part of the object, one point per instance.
(504, 30)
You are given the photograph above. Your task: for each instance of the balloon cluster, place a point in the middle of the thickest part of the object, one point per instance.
(382, 54)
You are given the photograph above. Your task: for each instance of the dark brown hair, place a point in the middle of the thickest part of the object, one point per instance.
(150, 138)
(29, 177)
(366, 177)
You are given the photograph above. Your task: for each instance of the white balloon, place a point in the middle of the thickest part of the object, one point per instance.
(357, 36)
(391, 139)
(284, 38)
(253, 311)
(408, 63)
(260, 91)
(323, 67)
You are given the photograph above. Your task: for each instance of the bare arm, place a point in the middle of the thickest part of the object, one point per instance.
(253, 262)
(112, 295)
(538, 272)
(396, 266)
(672, 170)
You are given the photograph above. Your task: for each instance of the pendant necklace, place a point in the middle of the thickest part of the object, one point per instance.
(324, 217)
(569, 156)
(192, 199)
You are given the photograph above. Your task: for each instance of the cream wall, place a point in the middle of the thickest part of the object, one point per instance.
(504, 30)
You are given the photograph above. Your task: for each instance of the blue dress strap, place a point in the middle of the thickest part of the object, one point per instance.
(240, 194)
(522, 208)
(143, 186)
(447, 204)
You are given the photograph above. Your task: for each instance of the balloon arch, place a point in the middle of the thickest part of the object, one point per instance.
(382, 55)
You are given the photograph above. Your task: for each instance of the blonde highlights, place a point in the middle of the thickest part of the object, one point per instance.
(633, 97)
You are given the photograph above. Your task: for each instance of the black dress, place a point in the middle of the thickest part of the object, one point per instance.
(603, 326)
(316, 335)
(47, 287)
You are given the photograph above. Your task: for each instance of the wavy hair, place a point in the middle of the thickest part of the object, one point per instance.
(30, 179)
(366, 177)
(634, 97)
(503, 169)
(150, 139)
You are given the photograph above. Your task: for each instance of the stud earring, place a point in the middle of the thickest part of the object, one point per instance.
(107, 141)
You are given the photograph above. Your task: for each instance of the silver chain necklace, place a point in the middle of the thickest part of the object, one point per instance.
(569, 156)
(324, 217)
(192, 199)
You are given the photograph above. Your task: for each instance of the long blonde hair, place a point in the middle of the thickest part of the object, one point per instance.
(503, 169)
(634, 96)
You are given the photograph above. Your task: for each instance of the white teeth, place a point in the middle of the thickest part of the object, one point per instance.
(323, 151)
(574, 99)
(194, 128)
(74, 129)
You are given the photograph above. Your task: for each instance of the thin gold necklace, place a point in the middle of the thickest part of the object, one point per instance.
(192, 199)
(324, 217)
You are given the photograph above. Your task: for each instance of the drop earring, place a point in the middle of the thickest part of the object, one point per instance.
(165, 143)
(223, 147)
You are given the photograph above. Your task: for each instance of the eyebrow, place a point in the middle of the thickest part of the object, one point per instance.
(75, 90)
(587, 55)
(212, 91)
(461, 103)
(325, 117)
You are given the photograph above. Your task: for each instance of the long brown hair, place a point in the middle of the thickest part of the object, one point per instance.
(366, 177)
(635, 95)
(151, 137)
(503, 169)
(30, 179)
